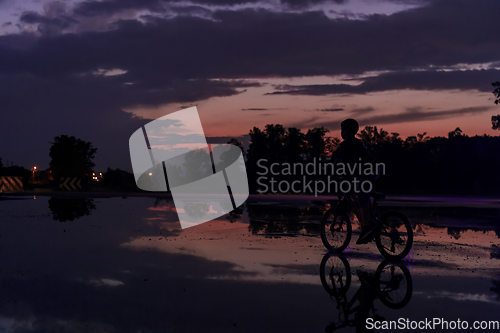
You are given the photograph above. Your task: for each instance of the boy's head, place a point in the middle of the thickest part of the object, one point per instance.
(349, 128)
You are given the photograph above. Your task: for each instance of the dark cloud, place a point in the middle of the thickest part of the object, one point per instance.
(263, 109)
(192, 10)
(307, 3)
(416, 80)
(410, 115)
(360, 111)
(258, 43)
(110, 7)
(331, 110)
(406, 2)
(48, 25)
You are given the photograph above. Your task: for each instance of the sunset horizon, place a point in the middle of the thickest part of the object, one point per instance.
(98, 70)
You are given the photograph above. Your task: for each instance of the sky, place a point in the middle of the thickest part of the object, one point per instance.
(99, 70)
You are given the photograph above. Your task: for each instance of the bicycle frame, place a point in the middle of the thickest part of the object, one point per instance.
(347, 203)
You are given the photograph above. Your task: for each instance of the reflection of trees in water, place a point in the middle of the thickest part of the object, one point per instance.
(200, 209)
(285, 219)
(70, 209)
(289, 219)
(455, 232)
(495, 253)
(496, 288)
(163, 202)
(232, 215)
(235, 215)
(196, 209)
(427, 227)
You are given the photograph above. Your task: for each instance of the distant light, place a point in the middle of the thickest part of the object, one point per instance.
(150, 174)
(34, 167)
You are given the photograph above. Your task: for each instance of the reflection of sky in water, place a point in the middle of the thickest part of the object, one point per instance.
(127, 266)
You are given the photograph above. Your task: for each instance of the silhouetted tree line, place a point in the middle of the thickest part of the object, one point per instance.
(456, 164)
(118, 179)
(14, 170)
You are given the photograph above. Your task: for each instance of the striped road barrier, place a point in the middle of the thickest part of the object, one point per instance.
(71, 184)
(11, 184)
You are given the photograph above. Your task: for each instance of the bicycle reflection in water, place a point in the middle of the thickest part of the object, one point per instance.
(391, 283)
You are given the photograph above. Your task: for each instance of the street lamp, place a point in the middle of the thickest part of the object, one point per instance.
(34, 169)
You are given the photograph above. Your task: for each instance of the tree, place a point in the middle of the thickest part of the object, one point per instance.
(316, 143)
(371, 136)
(495, 120)
(118, 179)
(456, 133)
(71, 157)
(496, 92)
(294, 143)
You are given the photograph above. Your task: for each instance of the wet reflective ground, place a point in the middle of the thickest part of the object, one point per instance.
(124, 265)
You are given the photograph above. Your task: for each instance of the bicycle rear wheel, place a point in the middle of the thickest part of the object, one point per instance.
(394, 237)
(336, 230)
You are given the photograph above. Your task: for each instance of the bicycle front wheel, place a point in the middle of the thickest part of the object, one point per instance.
(336, 230)
(395, 284)
(394, 237)
(335, 274)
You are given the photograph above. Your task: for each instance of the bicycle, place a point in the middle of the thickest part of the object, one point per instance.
(393, 232)
(392, 284)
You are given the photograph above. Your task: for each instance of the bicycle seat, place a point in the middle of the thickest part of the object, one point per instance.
(377, 195)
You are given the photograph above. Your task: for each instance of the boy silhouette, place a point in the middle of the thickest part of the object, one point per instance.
(350, 152)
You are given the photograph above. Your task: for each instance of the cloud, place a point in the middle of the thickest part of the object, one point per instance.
(263, 109)
(296, 44)
(48, 25)
(47, 78)
(410, 115)
(110, 7)
(416, 80)
(331, 110)
(360, 111)
(415, 114)
(307, 3)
